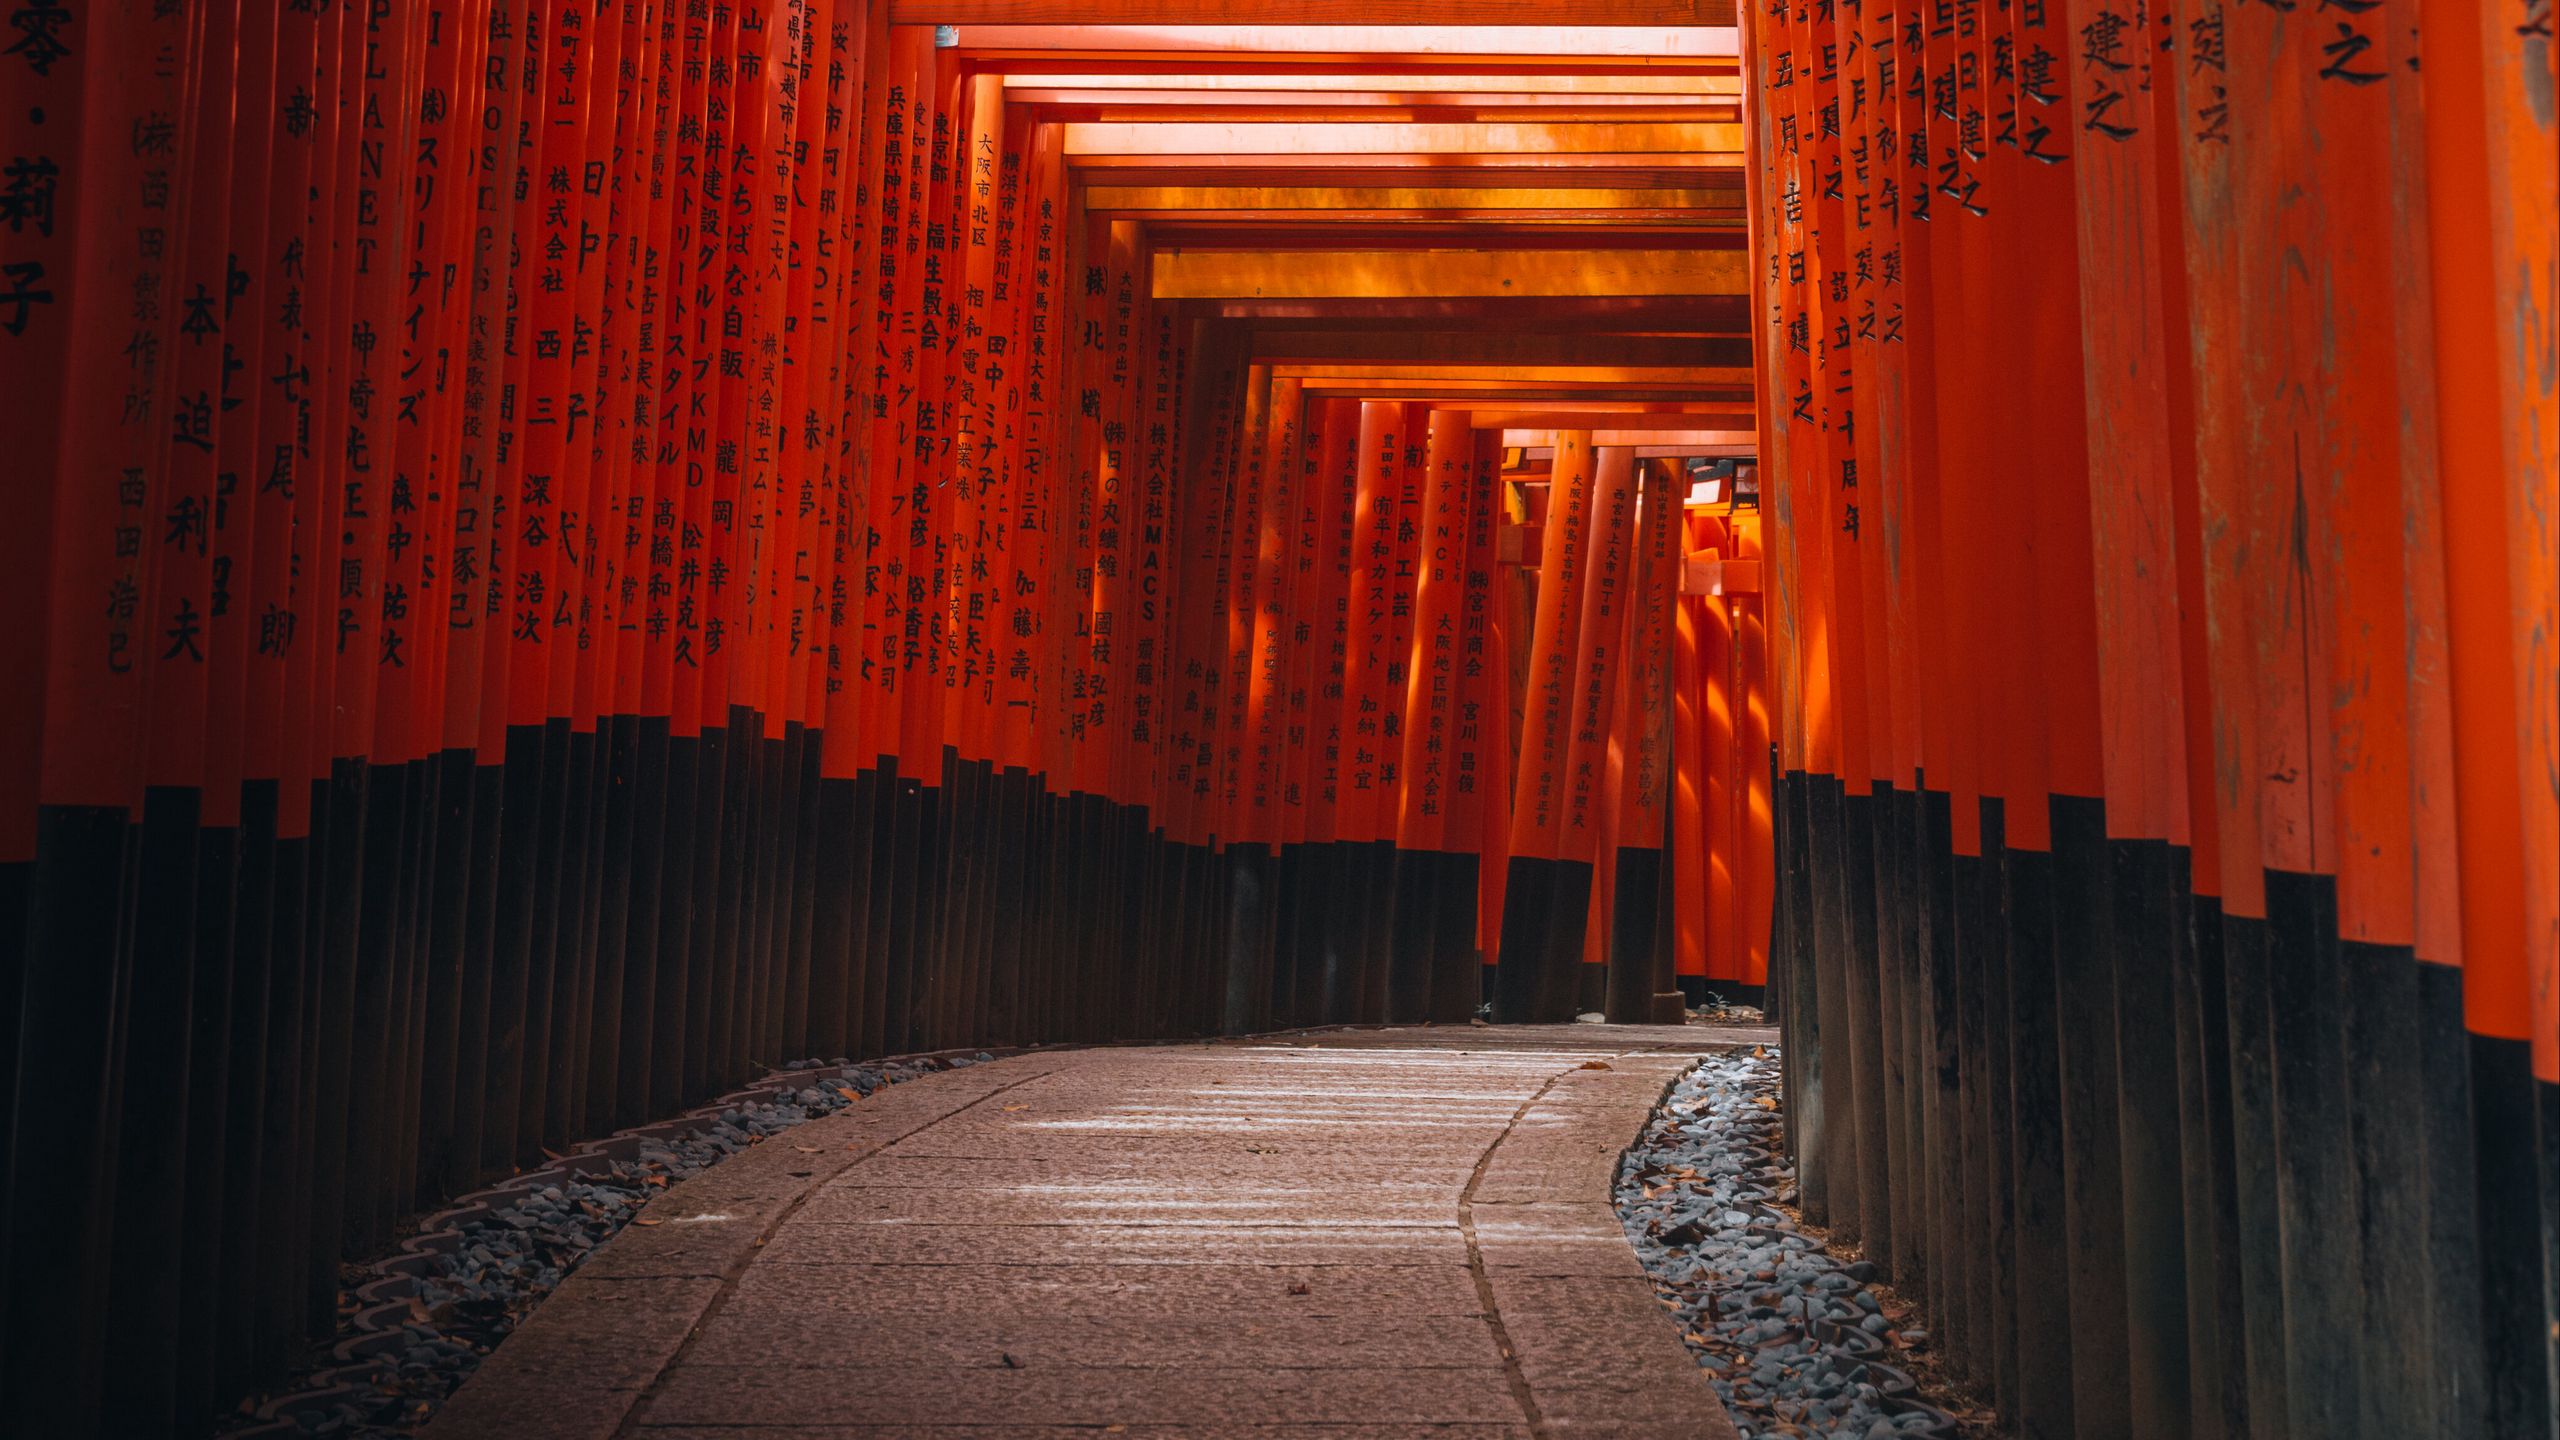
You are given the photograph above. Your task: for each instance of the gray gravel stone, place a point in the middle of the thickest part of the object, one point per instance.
(1784, 1330)
(508, 1260)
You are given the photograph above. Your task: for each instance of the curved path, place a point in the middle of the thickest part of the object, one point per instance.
(1353, 1235)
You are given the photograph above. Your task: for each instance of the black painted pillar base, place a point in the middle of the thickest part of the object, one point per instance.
(1635, 932)
(2086, 947)
(1528, 899)
(1250, 871)
(2040, 1289)
(2322, 1253)
(1457, 971)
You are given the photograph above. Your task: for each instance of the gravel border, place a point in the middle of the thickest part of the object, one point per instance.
(1792, 1337)
(416, 1322)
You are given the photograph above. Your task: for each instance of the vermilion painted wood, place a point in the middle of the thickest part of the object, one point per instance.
(2524, 212)
(1537, 810)
(1641, 740)
(1268, 623)
(1473, 12)
(2482, 144)
(1634, 787)
(1372, 693)
(548, 208)
(1379, 47)
(181, 556)
(1241, 576)
(1855, 345)
(45, 125)
(1697, 787)
(1431, 678)
(1337, 479)
(1480, 764)
(1606, 546)
(1754, 808)
(926, 507)
(1598, 85)
(852, 177)
(2063, 599)
(324, 511)
(1199, 274)
(1778, 122)
(1963, 509)
(2130, 330)
(1306, 632)
(662, 377)
(1155, 381)
(587, 479)
(1884, 308)
(1199, 629)
(2210, 186)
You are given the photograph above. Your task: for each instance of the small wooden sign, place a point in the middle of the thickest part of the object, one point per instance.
(1712, 574)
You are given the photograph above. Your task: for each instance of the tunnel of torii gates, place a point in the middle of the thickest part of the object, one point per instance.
(562, 552)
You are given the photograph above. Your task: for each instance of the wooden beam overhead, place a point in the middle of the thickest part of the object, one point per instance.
(1632, 419)
(1374, 229)
(1129, 105)
(1610, 171)
(1415, 87)
(1205, 274)
(1613, 171)
(1298, 28)
(1414, 235)
(1650, 444)
(1499, 347)
(1270, 68)
(1459, 394)
(1335, 138)
(1434, 201)
(1643, 314)
(1699, 378)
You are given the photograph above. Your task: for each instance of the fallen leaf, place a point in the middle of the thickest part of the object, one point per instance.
(658, 1180)
(645, 1220)
(1764, 1102)
(808, 1149)
(418, 1310)
(1017, 1107)
(848, 1092)
(1297, 1287)
(1593, 1065)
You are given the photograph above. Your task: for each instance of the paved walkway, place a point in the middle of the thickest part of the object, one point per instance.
(1353, 1235)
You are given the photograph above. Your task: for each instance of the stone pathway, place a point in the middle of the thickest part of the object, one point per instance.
(1353, 1235)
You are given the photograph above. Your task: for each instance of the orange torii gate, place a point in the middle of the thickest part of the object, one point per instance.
(573, 549)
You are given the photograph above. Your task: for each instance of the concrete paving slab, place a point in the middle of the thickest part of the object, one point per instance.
(1089, 1431)
(1279, 1333)
(1124, 1204)
(1340, 1234)
(1138, 1394)
(1045, 1246)
(1208, 1293)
